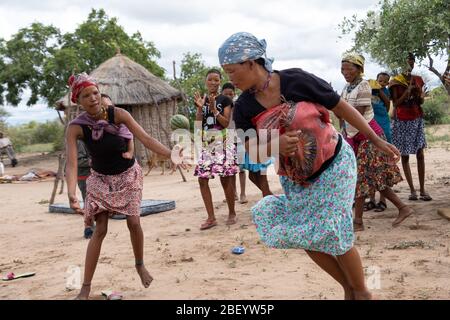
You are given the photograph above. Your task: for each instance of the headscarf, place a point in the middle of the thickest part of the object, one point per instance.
(399, 79)
(355, 58)
(79, 82)
(244, 46)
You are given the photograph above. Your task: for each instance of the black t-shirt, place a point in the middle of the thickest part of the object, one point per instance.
(106, 153)
(296, 85)
(209, 120)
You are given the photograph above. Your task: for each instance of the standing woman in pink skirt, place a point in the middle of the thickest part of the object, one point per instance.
(115, 184)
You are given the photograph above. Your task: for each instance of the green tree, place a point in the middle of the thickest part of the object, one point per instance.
(41, 59)
(401, 26)
(3, 115)
(192, 79)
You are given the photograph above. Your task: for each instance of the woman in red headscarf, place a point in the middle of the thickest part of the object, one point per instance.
(115, 183)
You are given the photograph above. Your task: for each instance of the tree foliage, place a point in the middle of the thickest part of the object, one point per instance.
(401, 26)
(41, 58)
(192, 79)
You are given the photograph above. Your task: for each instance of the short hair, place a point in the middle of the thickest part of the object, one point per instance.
(210, 71)
(383, 74)
(228, 85)
(104, 95)
(411, 56)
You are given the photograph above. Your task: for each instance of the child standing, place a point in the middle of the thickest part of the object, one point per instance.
(218, 154)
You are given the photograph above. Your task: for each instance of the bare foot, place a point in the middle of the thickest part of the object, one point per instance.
(84, 292)
(403, 213)
(146, 278)
(232, 219)
(348, 294)
(243, 200)
(358, 225)
(362, 295)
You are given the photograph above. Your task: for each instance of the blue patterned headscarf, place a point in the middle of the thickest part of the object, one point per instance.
(244, 46)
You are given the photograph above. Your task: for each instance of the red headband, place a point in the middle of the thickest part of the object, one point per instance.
(79, 82)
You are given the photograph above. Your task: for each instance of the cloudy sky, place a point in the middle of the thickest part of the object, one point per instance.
(299, 33)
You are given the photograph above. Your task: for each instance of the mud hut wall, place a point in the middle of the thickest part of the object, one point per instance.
(156, 122)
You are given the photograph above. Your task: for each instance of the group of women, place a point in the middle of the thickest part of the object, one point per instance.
(323, 172)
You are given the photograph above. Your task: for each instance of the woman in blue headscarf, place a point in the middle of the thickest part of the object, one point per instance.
(317, 167)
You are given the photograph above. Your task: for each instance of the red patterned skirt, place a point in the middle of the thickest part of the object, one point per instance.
(121, 193)
(376, 171)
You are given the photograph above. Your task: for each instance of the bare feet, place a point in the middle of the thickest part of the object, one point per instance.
(243, 200)
(403, 213)
(362, 295)
(146, 278)
(232, 219)
(358, 225)
(84, 292)
(349, 294)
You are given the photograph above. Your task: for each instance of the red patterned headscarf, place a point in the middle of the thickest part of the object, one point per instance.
(78, 82)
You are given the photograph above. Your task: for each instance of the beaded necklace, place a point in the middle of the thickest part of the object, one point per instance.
(265, 86)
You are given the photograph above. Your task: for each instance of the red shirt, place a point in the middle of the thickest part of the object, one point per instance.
(410, 109)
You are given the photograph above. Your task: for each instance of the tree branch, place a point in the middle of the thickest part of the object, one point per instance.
(433, 69)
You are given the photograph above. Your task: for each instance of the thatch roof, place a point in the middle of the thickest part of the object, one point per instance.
(128, 83)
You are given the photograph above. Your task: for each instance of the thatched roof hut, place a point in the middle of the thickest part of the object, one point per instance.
(150, 100)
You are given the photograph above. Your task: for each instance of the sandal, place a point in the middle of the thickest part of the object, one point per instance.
(413, 197)
(208, 224)
(369, 205)
(112, 295)
(425, 197)
(380, 207)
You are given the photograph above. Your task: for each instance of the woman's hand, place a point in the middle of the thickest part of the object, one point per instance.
(387, 148)
(178, 159)
(288, 143)
(199, 101)
(212, 103)
(75, 204)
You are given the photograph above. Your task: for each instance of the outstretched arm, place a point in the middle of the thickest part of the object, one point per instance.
(149, 142)
(352, 116)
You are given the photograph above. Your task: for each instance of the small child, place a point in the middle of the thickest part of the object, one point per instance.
(106, 102)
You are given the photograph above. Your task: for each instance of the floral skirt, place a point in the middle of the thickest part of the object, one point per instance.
(217, 159)
(121, 193)
(376, 171)
(317, 217)
(409, 136)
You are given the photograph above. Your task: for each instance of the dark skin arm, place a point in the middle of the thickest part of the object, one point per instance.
(386, 100)
(74, 132)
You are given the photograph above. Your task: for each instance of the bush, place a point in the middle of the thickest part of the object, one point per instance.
(50, 132)
(436, 108)
(434, 112)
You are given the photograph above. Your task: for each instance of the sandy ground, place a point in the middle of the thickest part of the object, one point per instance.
(410, 262)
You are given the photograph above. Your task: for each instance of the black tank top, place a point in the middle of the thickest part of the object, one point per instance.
(106, 153)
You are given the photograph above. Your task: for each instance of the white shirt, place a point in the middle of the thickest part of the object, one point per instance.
(4, 142)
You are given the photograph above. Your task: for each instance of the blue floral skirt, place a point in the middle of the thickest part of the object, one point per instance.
(318, 217)
(409, 136)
